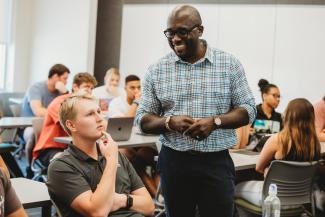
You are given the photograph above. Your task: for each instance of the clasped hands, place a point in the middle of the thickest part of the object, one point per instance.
(198, 129)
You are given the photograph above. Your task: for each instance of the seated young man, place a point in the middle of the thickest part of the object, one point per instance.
(10, 205)
(36, 100)
(46, 148)
(91, 178)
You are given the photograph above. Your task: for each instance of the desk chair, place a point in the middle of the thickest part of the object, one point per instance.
(37, 167)
(294, 181)
(18, 134)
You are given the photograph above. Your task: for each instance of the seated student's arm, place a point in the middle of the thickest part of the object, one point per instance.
(3, 166)
(268, 152)
(320, 134)
(142, 201)
(53, 110)
(19, 213)
(38, 109)
(100, 202)
(133, 110)
(134, 106)
(242, 137)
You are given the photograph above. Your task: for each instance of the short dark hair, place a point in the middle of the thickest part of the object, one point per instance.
(131, 78)
(84, 77)
(58, 69)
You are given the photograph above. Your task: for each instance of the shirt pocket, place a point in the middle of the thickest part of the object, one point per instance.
(219, 99)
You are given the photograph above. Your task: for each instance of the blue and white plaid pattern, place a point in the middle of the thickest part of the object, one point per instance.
(212, 86)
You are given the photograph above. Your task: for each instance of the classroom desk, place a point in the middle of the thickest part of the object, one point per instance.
(16, 100)
(12, 123)
(136, 140)
(15, 122)
(33, 194)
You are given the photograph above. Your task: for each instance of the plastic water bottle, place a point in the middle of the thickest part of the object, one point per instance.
(271, 205)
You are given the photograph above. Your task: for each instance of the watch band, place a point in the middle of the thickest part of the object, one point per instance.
(167, 123)
(129, 201)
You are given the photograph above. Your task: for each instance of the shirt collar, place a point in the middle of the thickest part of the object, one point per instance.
(77, 153)
(207, 56)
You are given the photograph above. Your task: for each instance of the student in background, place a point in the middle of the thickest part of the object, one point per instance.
(46, 148)
(91, 178)
(242, 137)
(297, 141)
(10, 205)
(320, 119)
(266, 110)
(126, 105)
(110, 88)
(36, 100)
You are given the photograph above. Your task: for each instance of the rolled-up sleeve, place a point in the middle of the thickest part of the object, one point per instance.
(149, 101)
(241, 93)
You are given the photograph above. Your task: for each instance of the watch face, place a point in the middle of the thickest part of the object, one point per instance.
(217, 121)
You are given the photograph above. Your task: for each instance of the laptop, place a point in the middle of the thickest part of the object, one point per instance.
(120, 128)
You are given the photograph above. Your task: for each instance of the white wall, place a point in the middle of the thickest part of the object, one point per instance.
(19, 52)
(282, 43)
(58, 31)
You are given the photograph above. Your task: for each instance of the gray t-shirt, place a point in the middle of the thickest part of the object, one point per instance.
(74, 172)
(37, 91)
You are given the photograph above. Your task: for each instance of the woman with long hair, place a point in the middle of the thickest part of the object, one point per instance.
(297, 141)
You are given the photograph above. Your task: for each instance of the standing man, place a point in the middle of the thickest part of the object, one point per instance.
(195, 97)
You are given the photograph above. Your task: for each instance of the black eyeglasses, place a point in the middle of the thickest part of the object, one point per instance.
(181, 32)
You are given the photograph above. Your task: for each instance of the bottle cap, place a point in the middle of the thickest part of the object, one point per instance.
(273, 189)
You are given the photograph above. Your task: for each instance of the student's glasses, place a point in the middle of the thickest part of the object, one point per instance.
(181, 32)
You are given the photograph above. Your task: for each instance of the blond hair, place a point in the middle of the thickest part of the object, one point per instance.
(111, 71)
(68, 109)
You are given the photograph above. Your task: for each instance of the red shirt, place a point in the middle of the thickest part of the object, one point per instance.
(51, 128)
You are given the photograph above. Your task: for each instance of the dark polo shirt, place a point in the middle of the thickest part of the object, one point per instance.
(75, 172)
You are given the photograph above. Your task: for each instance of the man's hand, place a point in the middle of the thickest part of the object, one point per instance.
(201, 129)
(60, 86)
(137, 96)
(119, 202)
(109, 148)
(180, 123)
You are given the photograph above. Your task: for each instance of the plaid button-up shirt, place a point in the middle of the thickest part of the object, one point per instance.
(212, 86)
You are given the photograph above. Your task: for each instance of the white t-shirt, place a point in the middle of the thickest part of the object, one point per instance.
(118, 107)
(101, 93)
